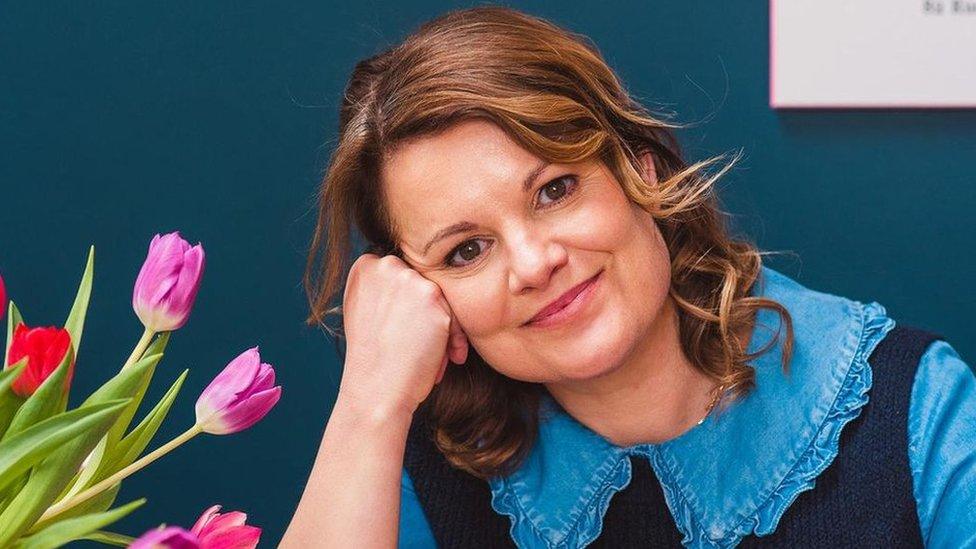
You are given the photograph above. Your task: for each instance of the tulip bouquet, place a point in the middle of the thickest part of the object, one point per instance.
(61, 468)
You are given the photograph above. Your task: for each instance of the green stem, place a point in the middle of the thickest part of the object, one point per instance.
(63, 506)
(140, 348)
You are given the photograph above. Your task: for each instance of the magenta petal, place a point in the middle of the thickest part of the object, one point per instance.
(266, 377)
(225, 530)
(226, 521)
(185, 288)
(262, 382)
(252, 410)
(238, 537)
(154, 242)
(167, 256)
(161, 287)
(172, 537)
(172, 243)
(204, 519)
(246, 413)
(236, 377)
(154, 269)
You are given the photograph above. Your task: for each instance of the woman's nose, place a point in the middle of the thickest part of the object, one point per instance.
(534, 261)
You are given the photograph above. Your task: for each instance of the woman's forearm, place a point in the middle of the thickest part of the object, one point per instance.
(352, 498)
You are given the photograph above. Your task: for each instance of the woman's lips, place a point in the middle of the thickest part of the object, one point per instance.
(568, 304)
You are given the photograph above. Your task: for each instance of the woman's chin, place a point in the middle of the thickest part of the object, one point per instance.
(586, 361)
(585, 373)
(593, 351)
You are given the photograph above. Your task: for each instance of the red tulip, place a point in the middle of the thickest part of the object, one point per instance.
(45, 349)
(225, 530)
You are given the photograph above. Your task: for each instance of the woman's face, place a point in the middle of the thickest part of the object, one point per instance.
(522, 248)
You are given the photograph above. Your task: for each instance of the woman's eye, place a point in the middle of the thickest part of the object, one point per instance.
(556, 190)
(468, 251)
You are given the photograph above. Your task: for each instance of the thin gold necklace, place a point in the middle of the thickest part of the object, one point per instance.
(708, 410)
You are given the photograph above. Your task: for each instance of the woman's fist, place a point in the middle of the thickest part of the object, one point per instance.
(400, 333)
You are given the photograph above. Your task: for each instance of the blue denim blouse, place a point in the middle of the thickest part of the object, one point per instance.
(737, 473)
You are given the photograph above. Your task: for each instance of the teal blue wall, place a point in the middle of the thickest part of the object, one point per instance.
(122, 119)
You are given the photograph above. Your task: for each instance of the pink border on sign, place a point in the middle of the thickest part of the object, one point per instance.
(773, 103)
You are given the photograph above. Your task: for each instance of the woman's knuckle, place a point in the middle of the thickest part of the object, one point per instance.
(389, 260)
(431, 290)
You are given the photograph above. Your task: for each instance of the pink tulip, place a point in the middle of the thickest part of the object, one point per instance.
(225, 531)
(239, 396)
(172, 537)
(168, 282)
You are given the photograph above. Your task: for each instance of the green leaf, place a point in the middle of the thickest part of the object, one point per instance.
(71, 529)
(96, 504)
(158, 344)
(9, 401)
(20, 452)
(76, 318)
(11, 372)
(129, 448)
(110, 538)
(127, 382)
(91, 474)
(154, 351)
(48, 479)
(13, 319)
(132, 446)
(118, 430)
(10, 492)
(122, 385)
(45, 401)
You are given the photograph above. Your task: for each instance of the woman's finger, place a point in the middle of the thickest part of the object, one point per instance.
(458, 342)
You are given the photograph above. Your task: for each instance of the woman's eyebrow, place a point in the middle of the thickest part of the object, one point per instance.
(531, 177)
(464, 226)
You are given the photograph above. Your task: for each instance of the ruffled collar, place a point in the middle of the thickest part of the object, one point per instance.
(737, 472)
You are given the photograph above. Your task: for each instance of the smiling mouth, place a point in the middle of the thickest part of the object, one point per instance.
(563, 302)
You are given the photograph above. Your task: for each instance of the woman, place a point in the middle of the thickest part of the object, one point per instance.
(556, 343)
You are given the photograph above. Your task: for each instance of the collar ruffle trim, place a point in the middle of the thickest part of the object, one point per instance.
(615, 472)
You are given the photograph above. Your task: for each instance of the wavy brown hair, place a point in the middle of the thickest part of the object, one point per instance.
(551, 91)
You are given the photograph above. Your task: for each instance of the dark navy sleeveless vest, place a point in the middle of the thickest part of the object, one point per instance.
(863, 499)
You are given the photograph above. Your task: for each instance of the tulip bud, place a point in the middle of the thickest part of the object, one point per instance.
(216, 530)
(167, 283)
(172, 537)
(45, 349)
(239, 396)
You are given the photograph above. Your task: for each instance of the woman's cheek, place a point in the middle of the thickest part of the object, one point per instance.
(477, 307)
(483, 318)
(508, 355)
(601, 216)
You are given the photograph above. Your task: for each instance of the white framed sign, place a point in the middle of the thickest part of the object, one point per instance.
(872, 53)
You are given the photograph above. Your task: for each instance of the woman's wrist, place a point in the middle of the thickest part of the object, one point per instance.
(372, 411)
